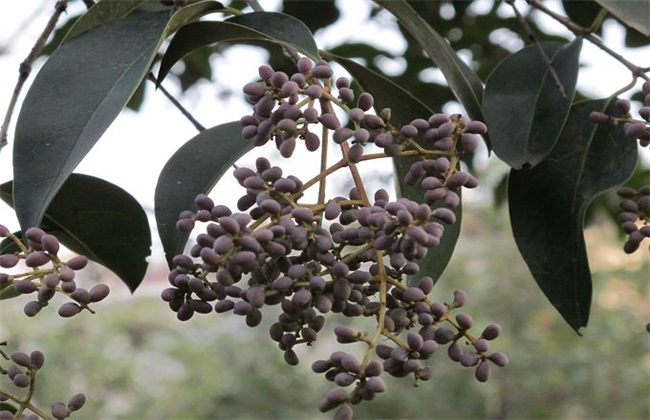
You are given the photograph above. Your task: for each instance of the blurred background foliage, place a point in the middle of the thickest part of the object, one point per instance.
(134, 360)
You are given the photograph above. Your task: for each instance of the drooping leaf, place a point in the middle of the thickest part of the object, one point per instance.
(256, 26)
(547, 206)
(195, 168)
(405, 108)
(635, 14)
(74, 98)
(101, 13)
(524, 108)
(462, 80)
(101, 221)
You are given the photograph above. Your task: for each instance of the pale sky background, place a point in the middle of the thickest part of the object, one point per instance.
(135, 148)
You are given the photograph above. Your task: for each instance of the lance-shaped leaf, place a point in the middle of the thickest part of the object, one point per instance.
(101, 13)
(524, 108)
(195, 168)
(548, 202)
(100, 220)
(257, 26)
(405, 108)
(190, 13)
(74, 98)
(463, 81)
(635, 14)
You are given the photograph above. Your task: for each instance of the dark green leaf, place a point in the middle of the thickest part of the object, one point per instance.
(524, 108)
(282, 28)
(635, 14)
(247, 27)
(136, 100)
(316, 14)
(406, 108)
(101, 221)
(195, 168)
(101, 13)
(581, 12)
(190, 13)
(547, 206)
(74, 98)
(462, 80)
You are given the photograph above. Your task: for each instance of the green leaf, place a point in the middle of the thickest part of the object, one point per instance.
(101, 13)
(260, 26)
(524, 108)
(548, 203)
(74, 98)
(101, 221)
(195, 168)
(405, 108)
(462, 80)
(315, 14)
(191, 12)
(281, 28)
(635, 14)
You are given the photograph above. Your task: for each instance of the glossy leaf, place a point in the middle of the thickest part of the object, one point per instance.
(74, 98)
(195, 168)
(635, 14)
(524, 108)
(548, 203)
(462, 80)
(101, 13)
(257, 26)
(405, 108)
(101, 221)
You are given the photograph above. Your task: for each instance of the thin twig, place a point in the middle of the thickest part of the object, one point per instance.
(545, 57)
(254, 4)
(585, 32)
(177, 104)
(26, 66)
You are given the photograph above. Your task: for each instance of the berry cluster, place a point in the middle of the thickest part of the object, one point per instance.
(46, 274)
(22, 374)
(347, 254)
(635, 205)
(636, 129)
(635, 216)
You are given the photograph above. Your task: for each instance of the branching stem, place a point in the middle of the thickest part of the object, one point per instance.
(26, 67)
(177, 104)
(547, 60)
(586, 33)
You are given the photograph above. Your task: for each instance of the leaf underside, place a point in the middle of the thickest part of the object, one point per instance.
(195, 168)
(548, 202)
